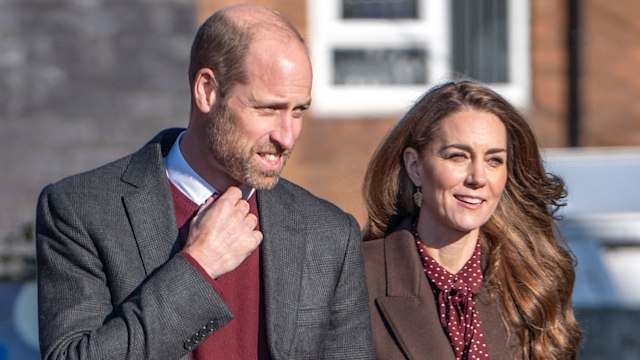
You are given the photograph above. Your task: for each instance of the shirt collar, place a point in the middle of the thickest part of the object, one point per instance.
(185, 179)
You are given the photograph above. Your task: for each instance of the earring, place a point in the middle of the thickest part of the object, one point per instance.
(418, 198)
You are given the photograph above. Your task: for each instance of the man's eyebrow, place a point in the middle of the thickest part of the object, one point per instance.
(278, 104)
(305, 104)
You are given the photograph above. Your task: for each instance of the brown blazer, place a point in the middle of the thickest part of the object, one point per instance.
(403, 310)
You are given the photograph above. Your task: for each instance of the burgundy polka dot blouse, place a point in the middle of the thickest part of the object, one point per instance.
(456, 307)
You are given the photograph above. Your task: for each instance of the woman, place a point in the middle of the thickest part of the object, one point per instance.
(461, 254)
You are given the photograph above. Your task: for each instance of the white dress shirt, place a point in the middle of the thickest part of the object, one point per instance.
(185, 179)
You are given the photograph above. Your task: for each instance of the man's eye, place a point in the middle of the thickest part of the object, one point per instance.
(267, 110)
(298, 112)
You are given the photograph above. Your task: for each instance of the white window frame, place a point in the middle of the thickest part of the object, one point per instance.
(328, 31)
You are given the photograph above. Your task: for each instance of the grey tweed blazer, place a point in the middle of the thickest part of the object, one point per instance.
(110, 285)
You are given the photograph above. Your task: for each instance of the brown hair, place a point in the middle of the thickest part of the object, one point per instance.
(531, 272)
(222, 42)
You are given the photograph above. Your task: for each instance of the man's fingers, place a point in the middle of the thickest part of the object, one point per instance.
(233, 194)
(251, 220)
(230, 199)
(257, 234)
(243, 206)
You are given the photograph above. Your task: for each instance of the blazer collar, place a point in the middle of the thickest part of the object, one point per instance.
(410, 308)
(149, 204)
(283, 255)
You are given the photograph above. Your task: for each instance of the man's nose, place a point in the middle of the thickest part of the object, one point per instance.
(284, 132)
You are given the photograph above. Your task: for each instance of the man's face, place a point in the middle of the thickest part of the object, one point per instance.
(252, 132)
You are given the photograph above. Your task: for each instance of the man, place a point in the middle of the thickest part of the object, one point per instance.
(264, 270)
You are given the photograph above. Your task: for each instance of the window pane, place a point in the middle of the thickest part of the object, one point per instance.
(479, 39)
(379, 9)
(380, 66)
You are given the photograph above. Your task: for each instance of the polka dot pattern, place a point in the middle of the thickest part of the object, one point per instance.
(457, 309)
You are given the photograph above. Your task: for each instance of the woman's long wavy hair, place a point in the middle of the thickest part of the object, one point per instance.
(529, 270)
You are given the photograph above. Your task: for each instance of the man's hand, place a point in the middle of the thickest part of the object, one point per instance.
(222, 233)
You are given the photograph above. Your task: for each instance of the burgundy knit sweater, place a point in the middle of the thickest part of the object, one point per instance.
(244, 337)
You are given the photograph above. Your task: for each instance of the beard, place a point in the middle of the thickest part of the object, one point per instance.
(227, 145)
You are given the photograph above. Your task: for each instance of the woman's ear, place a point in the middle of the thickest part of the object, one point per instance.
(413, 165)
(204, 90)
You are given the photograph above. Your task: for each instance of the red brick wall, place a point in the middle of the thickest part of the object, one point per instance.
(331, 157)
(611, 73)
(548, 110)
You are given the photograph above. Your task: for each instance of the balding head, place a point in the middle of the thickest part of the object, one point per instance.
(223, 41)
(258, 20)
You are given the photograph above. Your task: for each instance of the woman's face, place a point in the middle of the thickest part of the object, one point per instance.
(462, 172)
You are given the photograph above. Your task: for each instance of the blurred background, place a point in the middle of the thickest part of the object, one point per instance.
(83, 82)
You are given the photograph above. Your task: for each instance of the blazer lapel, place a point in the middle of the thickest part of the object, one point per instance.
(283, 253)
(149, 205)
(409, 307)
(502, 344)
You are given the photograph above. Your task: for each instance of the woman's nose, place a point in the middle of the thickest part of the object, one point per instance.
(476, 177)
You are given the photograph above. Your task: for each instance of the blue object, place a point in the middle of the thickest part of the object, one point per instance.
(18, 321)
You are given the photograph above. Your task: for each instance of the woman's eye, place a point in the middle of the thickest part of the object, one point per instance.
(496, 161)
(456, 156)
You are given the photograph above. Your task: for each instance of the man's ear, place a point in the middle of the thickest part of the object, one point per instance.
(413, 165)
(204, 90)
